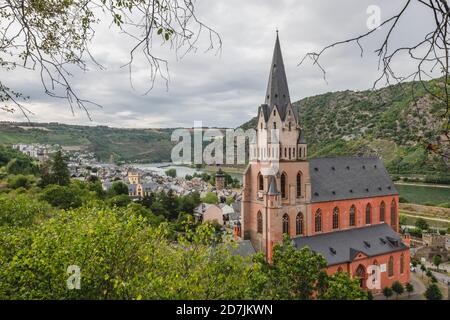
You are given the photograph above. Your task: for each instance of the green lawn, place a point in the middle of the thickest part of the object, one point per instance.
(424, 195)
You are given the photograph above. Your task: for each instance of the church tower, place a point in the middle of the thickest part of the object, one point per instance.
(276, 182)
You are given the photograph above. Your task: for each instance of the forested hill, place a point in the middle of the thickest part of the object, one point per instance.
(386, 122)
(146, 145)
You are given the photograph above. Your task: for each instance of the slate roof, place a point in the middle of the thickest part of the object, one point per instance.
(349, 178)
(244, 249)
(342, 246)
(277, 94)
(272, 186)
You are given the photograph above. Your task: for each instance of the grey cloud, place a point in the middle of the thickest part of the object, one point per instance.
(222, 90)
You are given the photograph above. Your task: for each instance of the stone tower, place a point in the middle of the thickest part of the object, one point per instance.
(276, 181)
(220, 179)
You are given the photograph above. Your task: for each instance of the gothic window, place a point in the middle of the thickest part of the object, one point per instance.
(368, 214)
(339, 269)
(289, 153)
(402, 263)
(391, 266)
(352, 216)
(393, 215)
(261, 126)
(259, 222)
(299, 224)
(382, 208)
(285, 152)
(335, 218)
(260, 182)
(318, 221)
(274, 125)
(289, 126)
(299, 185)
(274, 112)
(286, 223)
(283, 185)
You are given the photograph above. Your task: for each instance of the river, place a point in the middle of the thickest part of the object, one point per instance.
(182, 171)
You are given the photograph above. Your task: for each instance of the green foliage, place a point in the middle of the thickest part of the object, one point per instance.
(171, 173)
(409, 288)
(398, 288)
(437, 260)
(211, 198)
(387, 292)
(340, 286)
(121, 200)
(21, 181)
(21, 211)
(118, 188)
(422, 224)
(62, 197)
(433, 292)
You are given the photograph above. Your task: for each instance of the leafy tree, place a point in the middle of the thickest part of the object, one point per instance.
(121, 200)
(61, 197)
(398, 288)
(21, 211)
(118, 188)
(387, 292)
(171, 173)
(211, 198)
(423, 269)
(21, 166)
(433, 292)
(409, 288)
(437, 260)
(293, 274)
(20, 181)
(421, 224)
(59, 170)
(340, 286)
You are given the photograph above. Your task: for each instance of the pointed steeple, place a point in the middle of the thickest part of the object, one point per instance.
(277, 88)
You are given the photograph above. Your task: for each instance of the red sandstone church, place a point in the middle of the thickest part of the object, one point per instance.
(345, 208)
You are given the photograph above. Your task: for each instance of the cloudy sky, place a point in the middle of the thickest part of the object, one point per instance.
(225, 90)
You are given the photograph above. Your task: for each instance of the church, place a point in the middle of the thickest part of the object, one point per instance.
(345, 208)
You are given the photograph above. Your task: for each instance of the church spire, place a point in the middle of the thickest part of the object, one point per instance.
(277, 88)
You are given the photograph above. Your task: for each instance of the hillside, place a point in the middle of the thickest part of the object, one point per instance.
(385, 122)
(145, 145)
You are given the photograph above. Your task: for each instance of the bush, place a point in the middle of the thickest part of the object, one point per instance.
(21, 181)
(21, 211)
(61, 197)
(211, 198)
(118, 188)
(171, 173)
(119, 201)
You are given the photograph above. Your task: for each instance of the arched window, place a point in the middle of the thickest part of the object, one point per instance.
(318, 221)
(393, 215)
(285, 223)
(299, 185)
(402, 263)
(352, 216)
(339, 269)
(368, 214)
(289, 126)
(382, 209)
(299, 224)
(335, 218)
(260, 182)
(391, 266)
(283, 185)
(259, 222)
